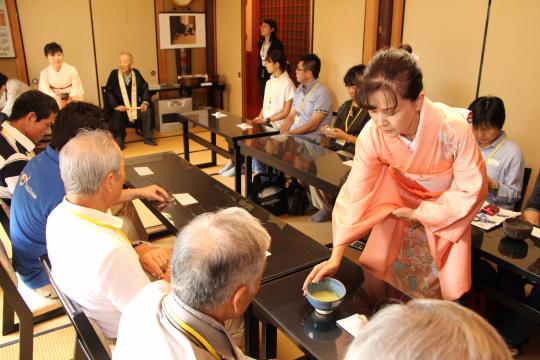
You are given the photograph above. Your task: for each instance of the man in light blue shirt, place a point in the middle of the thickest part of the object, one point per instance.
(504, 160)
(312, 103)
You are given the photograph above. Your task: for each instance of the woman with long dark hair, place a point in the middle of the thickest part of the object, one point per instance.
(268, 42)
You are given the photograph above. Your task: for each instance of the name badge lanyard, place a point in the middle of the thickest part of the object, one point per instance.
(185, 328)
(347, 126)
(307, 95)
(496, 149)
(100, 224)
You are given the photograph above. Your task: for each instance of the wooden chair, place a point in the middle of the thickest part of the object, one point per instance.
(29, 307)
(526, 178)
(90, 343)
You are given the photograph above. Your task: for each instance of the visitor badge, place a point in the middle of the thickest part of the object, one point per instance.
(494, 162)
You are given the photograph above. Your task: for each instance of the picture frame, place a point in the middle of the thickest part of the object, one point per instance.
(6, 41)
(182, 30)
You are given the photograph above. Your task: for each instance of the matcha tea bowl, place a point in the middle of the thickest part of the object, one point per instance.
(326, 295)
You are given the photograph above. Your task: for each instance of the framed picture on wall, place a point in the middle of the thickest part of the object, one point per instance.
(182, 30)
(6, 42)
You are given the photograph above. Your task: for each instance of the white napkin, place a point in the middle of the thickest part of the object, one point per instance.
(185, 199)
(353, 324)
(348, 163)
(244, 126)
(536, 232)
(218, 114)
(143, 170)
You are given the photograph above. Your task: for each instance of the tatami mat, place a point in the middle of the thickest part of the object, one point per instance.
(54, 345)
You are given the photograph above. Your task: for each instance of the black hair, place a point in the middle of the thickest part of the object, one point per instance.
(3, 79)
(393, 71)
(406, 47)
(34, 101)
(278, 56)
(273, 25)
(73, 117)
(351, 76)
(311, 62)
(488, 111)
(52, 48)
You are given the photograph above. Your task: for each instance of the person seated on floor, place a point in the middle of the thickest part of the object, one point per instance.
(428, 329)
(32, 116)
(10, 90)
(312, 103)
(217, 266)
(93, 261)
(129, 100)
(350, 120)
(60, 80)
(41, 189)
(504, 160)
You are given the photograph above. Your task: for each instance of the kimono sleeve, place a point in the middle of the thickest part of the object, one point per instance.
(368, 196)
(460, 203)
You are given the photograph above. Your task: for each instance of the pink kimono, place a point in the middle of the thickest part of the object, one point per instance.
(443, 177)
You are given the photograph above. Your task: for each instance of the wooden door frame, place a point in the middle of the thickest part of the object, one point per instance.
(371, 26)
(18, 46)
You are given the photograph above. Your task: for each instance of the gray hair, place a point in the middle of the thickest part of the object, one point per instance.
(216, 254)
(428, 329)
(127, 54)
(87, 159)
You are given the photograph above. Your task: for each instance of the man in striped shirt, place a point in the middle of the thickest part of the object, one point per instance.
(32, 115)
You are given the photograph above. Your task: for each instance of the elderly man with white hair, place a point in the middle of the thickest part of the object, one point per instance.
(129, 100)
(217, 265)
(93, 261)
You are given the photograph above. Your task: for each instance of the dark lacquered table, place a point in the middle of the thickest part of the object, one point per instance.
(291, 249)
(225, 127)
(520, 257)
(187, 90)
(298, 157)
(281, 304)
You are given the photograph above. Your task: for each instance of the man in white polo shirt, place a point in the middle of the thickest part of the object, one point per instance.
(93, 261)
(217, 265)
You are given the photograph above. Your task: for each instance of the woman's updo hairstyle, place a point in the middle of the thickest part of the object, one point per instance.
(394, 72)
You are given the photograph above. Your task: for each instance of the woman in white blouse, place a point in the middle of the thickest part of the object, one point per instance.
(277, 103)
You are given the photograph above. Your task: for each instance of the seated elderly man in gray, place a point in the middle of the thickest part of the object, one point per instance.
(217, 265)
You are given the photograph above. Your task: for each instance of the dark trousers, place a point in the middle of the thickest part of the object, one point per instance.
(120, 121)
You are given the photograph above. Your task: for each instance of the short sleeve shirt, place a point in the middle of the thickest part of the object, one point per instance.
(310, 99)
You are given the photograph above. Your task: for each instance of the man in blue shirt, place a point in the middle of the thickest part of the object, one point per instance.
(40, 189)
(312, 103)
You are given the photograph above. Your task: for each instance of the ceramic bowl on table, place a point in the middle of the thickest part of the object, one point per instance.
(326, 295)
(517, 229)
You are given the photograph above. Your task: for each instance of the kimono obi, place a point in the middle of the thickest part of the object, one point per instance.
(425, 187)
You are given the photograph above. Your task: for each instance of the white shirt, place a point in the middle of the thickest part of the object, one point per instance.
(277, 92)
(14, 89)
(92, 264)
(66, 80)
(145, 333)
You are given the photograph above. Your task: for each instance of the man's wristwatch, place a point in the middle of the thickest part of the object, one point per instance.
(268, 121)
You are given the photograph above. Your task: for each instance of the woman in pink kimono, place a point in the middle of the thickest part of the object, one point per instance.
(417, 182)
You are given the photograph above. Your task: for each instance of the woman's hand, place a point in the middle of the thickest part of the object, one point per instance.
(337, 133)
(404, 212)
(326, 268)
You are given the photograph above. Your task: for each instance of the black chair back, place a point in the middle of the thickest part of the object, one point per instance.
(526, 178)
(87, 338)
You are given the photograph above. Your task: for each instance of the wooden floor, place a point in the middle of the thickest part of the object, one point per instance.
(54, 339)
